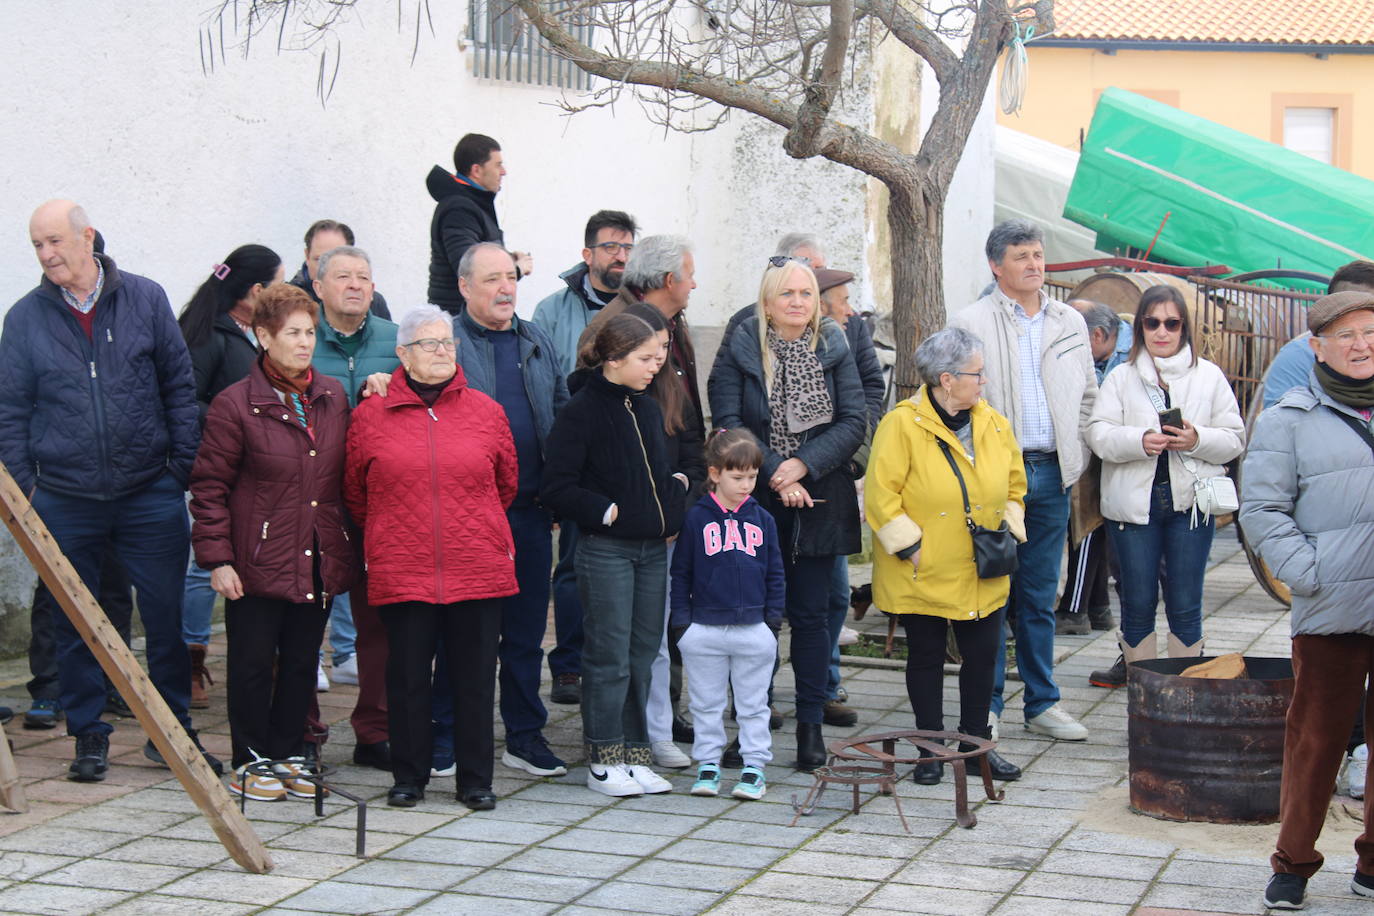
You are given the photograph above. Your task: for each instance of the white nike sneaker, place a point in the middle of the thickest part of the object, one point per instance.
(649, 781)
(614, 780)
(1058, 724)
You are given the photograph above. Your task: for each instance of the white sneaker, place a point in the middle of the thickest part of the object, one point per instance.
(1058, 724)
(321, 679)
(614, 780)
(346, 672)
(649, 781)
(667, 754)
(1355, 771)
(848, 636)
(994, 723)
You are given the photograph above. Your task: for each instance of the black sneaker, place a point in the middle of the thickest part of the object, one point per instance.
(533, 756)
(732, 759)
(92, 758)
(376, 755)
(683, 730)
(1363, 885)
(1286, 892)
(1101, 618)
(152, 753)
(1112, 677)
(567, 689)
(6, 714)
(1072, 624)
(43, 714)
(115, 705)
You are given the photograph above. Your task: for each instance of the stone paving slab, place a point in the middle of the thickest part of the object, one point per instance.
(135, 844)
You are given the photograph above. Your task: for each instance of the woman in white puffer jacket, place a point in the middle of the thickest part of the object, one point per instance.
(1149, 471)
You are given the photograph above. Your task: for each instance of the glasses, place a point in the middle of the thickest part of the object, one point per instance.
(1170, 324)
(1347, 337)
(779, 260)
(614, 248)
(432, 344)
(980, 375)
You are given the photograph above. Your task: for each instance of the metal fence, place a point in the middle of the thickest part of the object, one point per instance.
(507, 48)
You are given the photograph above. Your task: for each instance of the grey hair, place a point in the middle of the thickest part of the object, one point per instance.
(653, 258)
(465, 262)
(945, 351)
(343, 251)
(789, 243)
(1098, 317)
(409, 326)
(1011, 232)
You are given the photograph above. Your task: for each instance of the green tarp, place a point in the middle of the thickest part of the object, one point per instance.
(1232, 199)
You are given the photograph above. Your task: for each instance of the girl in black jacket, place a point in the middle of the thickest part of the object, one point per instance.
(607, 470)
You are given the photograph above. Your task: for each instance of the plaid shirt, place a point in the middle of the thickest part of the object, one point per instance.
(1035, 430)
(85, 306)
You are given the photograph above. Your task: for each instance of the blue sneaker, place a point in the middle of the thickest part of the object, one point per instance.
(751, 785)
(533, 756)
(43, 714)
(708, 780)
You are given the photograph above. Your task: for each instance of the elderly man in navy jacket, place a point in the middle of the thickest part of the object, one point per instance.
(99, 425)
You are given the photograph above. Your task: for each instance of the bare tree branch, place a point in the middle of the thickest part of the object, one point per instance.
(802, 140)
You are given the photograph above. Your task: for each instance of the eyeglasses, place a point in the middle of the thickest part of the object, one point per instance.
(980, 375)
(432, 344)
(1170, 324)
(1347, 337)
(614, 248)
(780, 260)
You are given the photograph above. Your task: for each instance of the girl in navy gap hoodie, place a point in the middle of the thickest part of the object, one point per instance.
(727, 598)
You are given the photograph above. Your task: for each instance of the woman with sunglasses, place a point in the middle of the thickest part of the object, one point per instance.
(1162, 424)
(431, 471)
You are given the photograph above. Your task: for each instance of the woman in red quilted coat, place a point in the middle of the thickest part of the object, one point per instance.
(269, 523)
(431, 471)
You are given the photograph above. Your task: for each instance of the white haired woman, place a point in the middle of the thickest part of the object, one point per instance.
(431, 471)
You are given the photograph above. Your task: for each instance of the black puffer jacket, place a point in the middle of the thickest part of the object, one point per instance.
(739, 397)
(221, 361)
(463, 216)
(98, 418)
(607, 446)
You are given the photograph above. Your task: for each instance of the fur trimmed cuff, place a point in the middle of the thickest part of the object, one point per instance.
(899, 534)
(1015, 516)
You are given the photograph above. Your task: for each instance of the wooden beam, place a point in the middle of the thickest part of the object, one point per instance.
(129, 679)
(11, 789)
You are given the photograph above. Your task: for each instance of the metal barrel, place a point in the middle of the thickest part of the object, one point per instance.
(1204, 749)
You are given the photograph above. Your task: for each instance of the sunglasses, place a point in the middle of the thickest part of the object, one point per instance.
(780, 260)
(1170, 324)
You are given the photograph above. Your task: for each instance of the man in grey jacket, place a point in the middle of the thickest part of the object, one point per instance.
(1307, 506)
(1039, 372)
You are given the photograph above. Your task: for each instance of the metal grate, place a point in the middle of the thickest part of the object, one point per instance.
(507, 48)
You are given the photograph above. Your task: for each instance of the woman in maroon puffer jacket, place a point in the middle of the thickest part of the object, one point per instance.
(269, 523)
(431, 471)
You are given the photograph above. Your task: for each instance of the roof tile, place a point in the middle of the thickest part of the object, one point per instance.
(1333, 22)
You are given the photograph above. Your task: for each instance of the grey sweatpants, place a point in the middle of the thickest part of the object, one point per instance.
(740, 657)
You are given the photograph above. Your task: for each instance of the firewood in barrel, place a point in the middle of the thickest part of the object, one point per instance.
(1223, 667)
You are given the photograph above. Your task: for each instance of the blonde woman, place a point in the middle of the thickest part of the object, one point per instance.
(788, 378)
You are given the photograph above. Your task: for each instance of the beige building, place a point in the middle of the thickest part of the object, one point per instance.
(1299, 73)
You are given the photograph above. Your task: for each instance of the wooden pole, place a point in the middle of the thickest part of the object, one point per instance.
(128, 677)
(11, 789)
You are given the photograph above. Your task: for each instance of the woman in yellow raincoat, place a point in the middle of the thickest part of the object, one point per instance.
(923, 566)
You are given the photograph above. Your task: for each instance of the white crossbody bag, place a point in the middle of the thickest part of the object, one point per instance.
(1212, 496)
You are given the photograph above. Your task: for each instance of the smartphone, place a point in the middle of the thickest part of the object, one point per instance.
(1171, 417)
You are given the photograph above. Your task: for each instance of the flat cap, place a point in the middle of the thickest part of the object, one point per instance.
(829, 279)
(1330, 307)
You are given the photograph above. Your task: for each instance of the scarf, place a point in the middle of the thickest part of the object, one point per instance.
(798, 400)
(1161, 370)
(1352, 392)
(955, 421)
(293, 390)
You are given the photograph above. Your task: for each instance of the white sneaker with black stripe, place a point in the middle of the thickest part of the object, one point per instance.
(613, 779)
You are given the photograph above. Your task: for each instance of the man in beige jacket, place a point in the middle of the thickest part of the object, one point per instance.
(1039, 373)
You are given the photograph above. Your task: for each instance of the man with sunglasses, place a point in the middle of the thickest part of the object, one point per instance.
(1040, 375)
(592, 284)
(516, 364)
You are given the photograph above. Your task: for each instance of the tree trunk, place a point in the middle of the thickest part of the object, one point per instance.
(915, 218)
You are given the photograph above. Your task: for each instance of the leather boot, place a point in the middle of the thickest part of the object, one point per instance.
(810, 746)
(1115, 676)
(200, 677)
(1179, 649)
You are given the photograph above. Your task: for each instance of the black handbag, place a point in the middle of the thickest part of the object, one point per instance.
(994, 551)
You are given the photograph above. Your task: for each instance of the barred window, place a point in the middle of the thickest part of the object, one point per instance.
(505, 48)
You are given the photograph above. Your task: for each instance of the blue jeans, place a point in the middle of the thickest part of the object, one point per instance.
(1184, 551)
(198, 605)
(621, 583)
(566, 656)
(343, 635)
(1033, 587)
(524, 618)
(151, 534)
(839, 610)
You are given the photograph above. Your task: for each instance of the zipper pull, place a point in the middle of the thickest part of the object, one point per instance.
(264, 530)
(108, 336)
(350, 364)
(431, 414)
(92, 368)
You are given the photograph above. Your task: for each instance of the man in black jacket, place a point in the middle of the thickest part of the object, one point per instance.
(465, 214)
(100, 427)
(326, 235)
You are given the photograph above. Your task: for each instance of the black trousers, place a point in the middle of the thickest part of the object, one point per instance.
(115, 600)
(978, 644)
(1086, 586)
(273, 652)
(471, 631)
